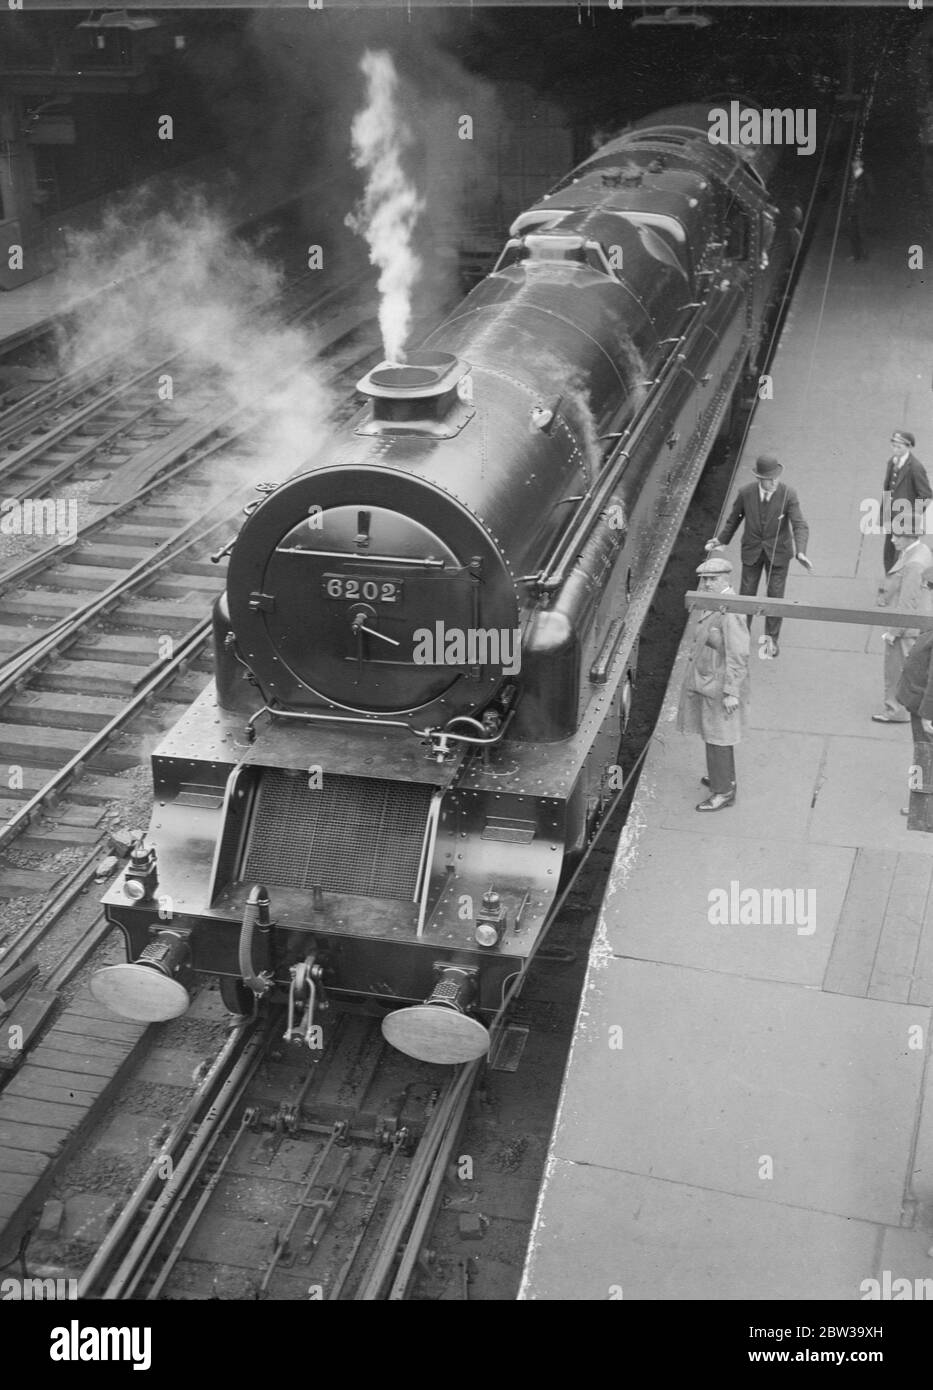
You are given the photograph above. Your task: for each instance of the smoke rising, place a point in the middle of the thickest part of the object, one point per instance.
(390, 206)
(180, 285)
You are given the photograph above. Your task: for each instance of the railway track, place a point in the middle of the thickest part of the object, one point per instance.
(108, 418)
(102, 419)
(306, 1174)
(279, 1172)
(94, 636)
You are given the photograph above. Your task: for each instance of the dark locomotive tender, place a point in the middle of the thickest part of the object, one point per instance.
(336, 815)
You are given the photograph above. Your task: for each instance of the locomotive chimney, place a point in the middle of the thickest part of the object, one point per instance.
(429, 394)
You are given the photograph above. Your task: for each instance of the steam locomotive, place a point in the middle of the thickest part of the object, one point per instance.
(427, 647)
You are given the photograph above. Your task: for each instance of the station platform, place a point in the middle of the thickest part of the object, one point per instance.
(762, 1126)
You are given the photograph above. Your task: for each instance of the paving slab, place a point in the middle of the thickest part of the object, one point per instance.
(903, 1255)
(863, 789)
(858, 931)
(921, 1177)
(837, 591)
(662, 1240)
(905, 914)
(777, 775)
(696, 1095)
(793, 945)
(819, 692)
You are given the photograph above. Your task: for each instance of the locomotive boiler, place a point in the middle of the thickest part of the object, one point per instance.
(427, 646)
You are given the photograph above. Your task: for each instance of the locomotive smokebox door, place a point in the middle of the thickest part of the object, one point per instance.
(357, 609)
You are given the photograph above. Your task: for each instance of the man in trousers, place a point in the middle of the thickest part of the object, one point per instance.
(905, 480)
(915, 693)
(714, 696)
(775, 532)
(904, 590)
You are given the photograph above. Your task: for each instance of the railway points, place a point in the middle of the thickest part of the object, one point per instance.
(763, 1127)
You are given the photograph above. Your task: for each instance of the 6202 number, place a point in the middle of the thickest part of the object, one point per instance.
(345, 586)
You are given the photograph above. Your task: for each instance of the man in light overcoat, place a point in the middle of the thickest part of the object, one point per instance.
(714, 696)
(904, 590)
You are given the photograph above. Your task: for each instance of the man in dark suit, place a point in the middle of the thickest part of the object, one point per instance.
(905, 477)
(775, 532)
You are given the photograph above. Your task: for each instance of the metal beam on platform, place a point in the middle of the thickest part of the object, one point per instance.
(809, 612)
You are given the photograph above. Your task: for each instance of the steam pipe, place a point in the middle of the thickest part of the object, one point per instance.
(255, 914)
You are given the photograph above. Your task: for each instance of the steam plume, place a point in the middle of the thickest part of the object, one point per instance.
(198, 291)
(390, 206)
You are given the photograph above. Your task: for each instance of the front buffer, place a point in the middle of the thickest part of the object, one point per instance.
(317, 862)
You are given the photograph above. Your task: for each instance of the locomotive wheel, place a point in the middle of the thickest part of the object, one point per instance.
(235, 995)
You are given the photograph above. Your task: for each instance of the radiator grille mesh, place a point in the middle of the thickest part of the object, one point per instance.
(355, 835)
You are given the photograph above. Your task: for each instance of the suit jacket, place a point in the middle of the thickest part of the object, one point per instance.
(915, 687)
(912, 481)
(774, 532)
(903, 587)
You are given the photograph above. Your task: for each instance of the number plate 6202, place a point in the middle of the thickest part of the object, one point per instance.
(350, 589)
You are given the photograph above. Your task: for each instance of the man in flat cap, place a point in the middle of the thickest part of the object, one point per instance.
(904, 477)
(915, 693)
(903, 589)
(714, 695)
(775, 532)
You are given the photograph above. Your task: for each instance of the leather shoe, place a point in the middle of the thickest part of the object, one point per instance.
(717, 801)
(888, 719)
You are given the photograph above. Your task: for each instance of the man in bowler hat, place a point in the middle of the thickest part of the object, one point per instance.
(714, 694)
(904, 477)
(775, 532)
